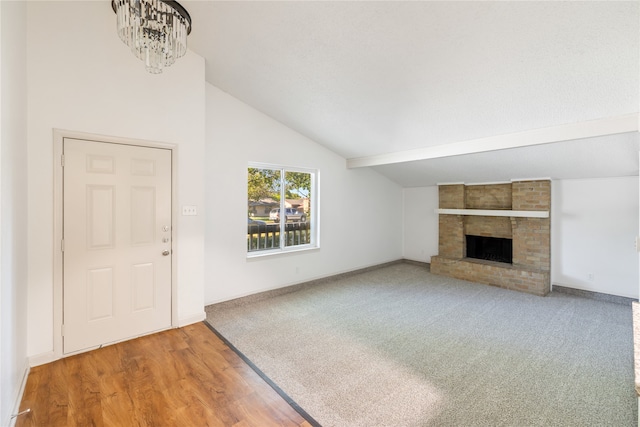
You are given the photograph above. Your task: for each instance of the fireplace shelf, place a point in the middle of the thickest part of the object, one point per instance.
(494, 212)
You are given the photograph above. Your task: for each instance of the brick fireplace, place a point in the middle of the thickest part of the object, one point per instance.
(516, 214)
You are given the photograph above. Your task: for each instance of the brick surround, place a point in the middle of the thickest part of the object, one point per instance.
(531, 236)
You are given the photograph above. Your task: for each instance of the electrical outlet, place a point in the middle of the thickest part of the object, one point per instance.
(189, 210)
(590, 277)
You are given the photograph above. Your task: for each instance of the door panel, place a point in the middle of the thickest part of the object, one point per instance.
(100, 216)
(117, 230)
(100, 293)
(144, 289)
(143, 215)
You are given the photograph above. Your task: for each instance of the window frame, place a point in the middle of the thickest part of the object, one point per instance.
(313, 218)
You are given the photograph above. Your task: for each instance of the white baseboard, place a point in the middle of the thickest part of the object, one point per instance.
(42, 358)
(11, 422)
(189, 320)
(51, 356)
(591, 289)
(335, 274)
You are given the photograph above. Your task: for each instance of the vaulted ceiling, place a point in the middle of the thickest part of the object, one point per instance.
(386, 84)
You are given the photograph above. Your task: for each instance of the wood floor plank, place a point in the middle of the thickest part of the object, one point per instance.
(58, 395)
(180, 377)
(36, 377)
(117, 403)
(85, 403)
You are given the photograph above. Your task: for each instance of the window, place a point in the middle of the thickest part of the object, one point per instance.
(282, 209)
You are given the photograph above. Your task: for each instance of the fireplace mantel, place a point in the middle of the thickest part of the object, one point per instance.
(494, 212)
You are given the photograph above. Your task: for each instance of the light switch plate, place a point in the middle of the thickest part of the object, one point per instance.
(189, 210)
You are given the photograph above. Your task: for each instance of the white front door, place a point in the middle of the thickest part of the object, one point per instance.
(117, 242)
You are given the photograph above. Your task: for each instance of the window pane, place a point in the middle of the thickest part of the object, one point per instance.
(298, 208)
(280, 207)
(263, 201)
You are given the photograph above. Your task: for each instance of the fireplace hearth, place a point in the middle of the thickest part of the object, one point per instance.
(490, 248)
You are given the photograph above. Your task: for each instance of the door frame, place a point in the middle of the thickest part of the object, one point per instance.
(58, 209)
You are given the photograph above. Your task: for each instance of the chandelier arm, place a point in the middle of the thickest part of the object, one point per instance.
(174, 4)
(181, 10)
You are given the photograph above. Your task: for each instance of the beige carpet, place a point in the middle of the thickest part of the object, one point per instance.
(399, 346)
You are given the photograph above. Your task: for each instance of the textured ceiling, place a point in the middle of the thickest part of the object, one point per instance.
(368, 78)
(615, 155)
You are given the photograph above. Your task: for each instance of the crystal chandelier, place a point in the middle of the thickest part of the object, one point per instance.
(155, 30)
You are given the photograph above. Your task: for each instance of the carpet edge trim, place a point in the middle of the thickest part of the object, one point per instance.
(264, 377)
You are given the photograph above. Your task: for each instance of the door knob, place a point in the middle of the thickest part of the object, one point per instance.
(165, 253)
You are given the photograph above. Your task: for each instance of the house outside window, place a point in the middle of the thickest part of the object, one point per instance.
(282, 209)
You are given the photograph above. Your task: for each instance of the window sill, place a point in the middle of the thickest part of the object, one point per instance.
(278, 252)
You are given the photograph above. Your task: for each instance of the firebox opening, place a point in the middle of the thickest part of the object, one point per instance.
(490, 248)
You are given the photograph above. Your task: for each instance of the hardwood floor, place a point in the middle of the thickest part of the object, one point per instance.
(180, 377)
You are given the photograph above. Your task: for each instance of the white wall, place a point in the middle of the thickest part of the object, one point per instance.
(360, 210)
(593, 226)
(420, 223)
(13, 224)
(81, 77)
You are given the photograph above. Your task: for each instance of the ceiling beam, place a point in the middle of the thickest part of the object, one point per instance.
(592, 128)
